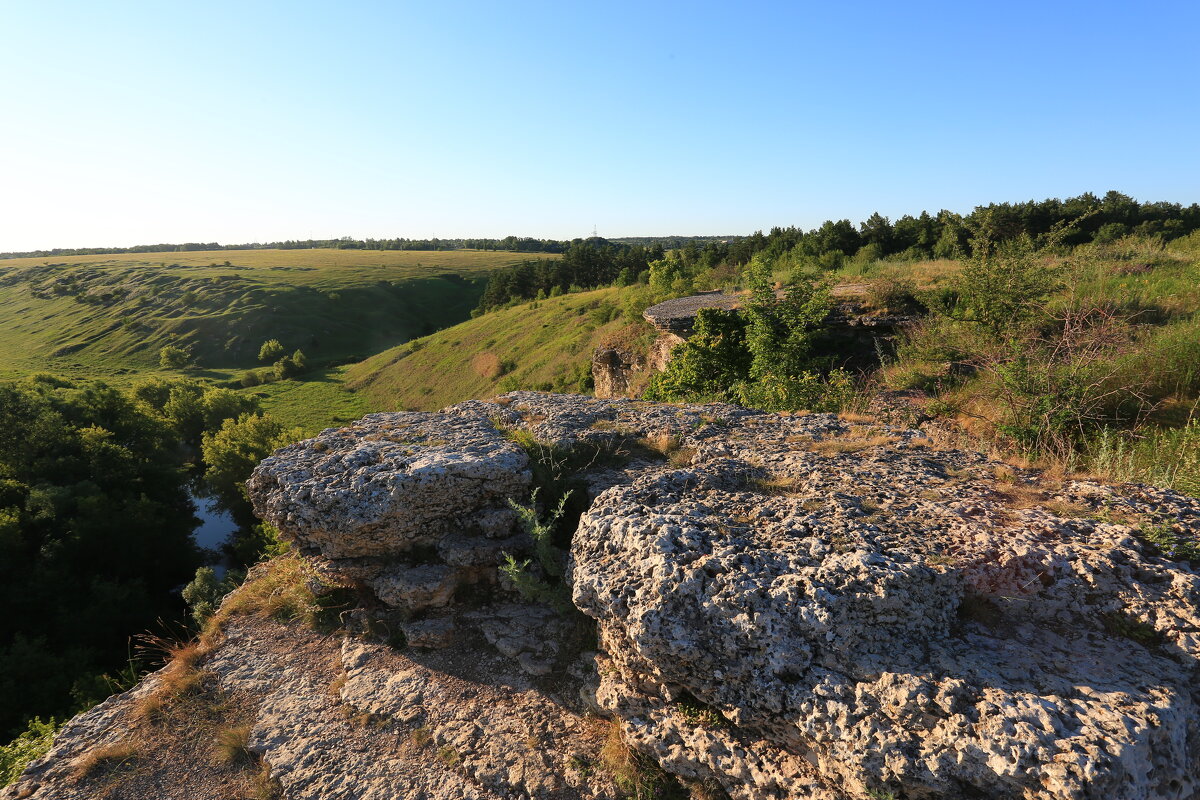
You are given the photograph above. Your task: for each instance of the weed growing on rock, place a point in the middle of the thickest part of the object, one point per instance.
(552, 591)
(774, 485)
(668, 447)
(707, 789)
(636, 776)
(700, 714)
(581, 764)
(533, 588)
(1122, 624)
(284, 588)
(1171, 544)
(106, 760)
(264, 785)
(449, 756)
(231, 745)
(541, 531)
(181, 678)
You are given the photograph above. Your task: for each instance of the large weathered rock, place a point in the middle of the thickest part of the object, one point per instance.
(867, 621)
(391, 482)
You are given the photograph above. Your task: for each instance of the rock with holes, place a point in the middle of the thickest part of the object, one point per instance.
(391, 483)
(800, 614)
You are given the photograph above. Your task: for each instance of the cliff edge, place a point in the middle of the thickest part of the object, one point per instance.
(772, 607)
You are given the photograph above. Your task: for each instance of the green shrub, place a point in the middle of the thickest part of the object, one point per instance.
(807, 391)
(231, 453)
(1004, 284)
(892, 294)
(32, 743)
(1058, 383)
(172, 357)
(204, 594)
(270, 352)
(708, 363)
(553, 591)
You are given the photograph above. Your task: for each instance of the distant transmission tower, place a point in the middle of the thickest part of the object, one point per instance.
(594, 234)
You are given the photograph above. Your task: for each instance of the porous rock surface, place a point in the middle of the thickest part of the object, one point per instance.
(786, 607)
(859, 613)
(391, 482)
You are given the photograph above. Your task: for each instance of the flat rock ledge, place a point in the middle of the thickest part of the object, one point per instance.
(799, 606)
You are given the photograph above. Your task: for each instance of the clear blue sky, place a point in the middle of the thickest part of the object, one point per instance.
(134, 122)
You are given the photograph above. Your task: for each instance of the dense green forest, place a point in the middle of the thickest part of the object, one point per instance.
(96, 524)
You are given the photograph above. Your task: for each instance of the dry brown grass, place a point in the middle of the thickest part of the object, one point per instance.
(705, 790)
(1067, 510)
(852, 416)
(449, 756)
(181, 678)
(669, 447)
(774, 485)
(634, 774)
(1004, 473)
(1022, 495)
(264, 786)
(421, 737)
(106, 759)
(621, 762)
(830, 447)
(486, 365)
(279, 589)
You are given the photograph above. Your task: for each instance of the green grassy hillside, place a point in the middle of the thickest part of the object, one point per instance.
(543, 345)
(107, 316)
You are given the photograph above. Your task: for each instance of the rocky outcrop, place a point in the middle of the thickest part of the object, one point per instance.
(335, 718)
(615, 371)
(785, 606)
(678, 315)
(863, 613)
(413, 506)
(849, 333)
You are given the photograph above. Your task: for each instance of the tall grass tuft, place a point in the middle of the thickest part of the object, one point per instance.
(1164, 457)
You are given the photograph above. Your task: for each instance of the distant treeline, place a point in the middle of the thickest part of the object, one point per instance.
(598, 262)
(924, 236)
(947, 234)
(670, 242)
(584, 265)
(514, 244)
(519, 244)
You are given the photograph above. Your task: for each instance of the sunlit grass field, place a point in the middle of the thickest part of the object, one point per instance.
(300, 265)
(107, 316)
(543, 345)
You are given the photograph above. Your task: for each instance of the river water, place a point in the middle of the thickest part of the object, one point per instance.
(215, 528)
